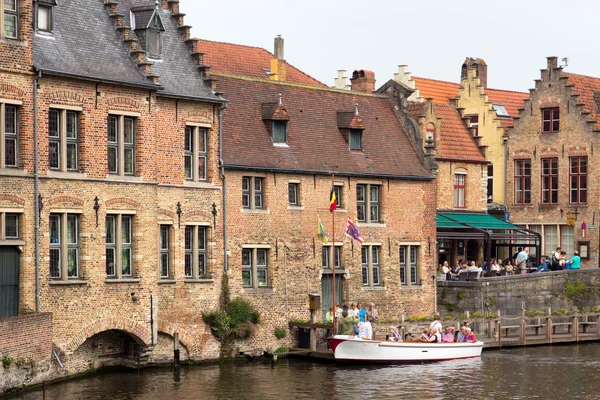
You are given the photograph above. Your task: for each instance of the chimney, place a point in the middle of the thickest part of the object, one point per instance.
(278, 64)
(363, 81)
(341, 82)
(480, 69)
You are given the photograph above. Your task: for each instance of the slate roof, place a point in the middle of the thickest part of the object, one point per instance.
(236, 59)
(585, 86)
(454, 140)
(86, 44)
(315, 142)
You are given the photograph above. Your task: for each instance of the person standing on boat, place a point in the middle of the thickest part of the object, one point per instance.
(345, 325)
(436, 323)
(365, 329)
(373, 311)
(362, 314)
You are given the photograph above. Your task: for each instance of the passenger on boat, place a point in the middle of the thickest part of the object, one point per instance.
(329, 316)
(436, 323)
(372, 311)
(365, 330)
(448, 336)
(353, 311)
(345, 324)
(462, 334)
(394, 335)
(436, 336)
(362, 314)
(425, 335)
(470, 336)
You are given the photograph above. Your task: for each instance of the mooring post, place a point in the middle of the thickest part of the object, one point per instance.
(498, 330)
(138, 375)
(313, 331)
(176, 359)
(523, 327)
(549, 328)
(44, 390)
(598, 324)
(575, 327)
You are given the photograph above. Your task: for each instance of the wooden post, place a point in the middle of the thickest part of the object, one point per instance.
(490, 328)
(498, 332)
(537, 326)
(176, 359)
(549, 328)
(598, 324)
(313, 331)
(523, 327)
(575, 327)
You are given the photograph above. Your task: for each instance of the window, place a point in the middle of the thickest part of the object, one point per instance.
(338, 196)
(355, 139)
(368, 203)
(64, 246)
(119, 234)
(9, 135)
(326, 257)
(550, 181)
(490, 184)
(10, 21)
(409, 265)
(165, 251)
(459, 190)
(578, 180)
(121, 145)
(567, 241)
(522, 182)
(370, 265)
(550, 120)
(255, 268)
(500, 110)
(9, 226)
(550, 239)
(532, 249)
(195, 153)
(279, 131)
(252, 192)
(474, 124)
(154, 43)
(293, 193)
(63, 131)
(195, 253)
(148, 27)
(44, 15)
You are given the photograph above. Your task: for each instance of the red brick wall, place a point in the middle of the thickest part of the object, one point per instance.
(26, 336)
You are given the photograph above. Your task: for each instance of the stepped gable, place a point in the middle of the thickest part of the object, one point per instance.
(249, 61)
(455, 140)
(85, 44)
(315, 143)
(585, 87)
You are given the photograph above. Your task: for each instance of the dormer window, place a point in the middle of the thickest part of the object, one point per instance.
(355, 139)
(45, 15)
(279, 131)
(148, 26)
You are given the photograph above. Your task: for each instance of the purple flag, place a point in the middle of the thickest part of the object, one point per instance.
(352, 232)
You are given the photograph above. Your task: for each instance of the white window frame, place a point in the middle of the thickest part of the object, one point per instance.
(63, 140)
(254, 265)
(368, 203)
(194, 268)
(5, 136)
(122, 119)
(63, 247)
(460, 189)
(6, 12)
(198, 156)
(119, 245)
(50, 16)
(370, 264)
(358, 133)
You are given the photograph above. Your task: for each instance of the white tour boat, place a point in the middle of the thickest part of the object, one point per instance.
(352, 348)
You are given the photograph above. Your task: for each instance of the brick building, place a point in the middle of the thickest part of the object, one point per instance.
(552, 186)
(130, 247)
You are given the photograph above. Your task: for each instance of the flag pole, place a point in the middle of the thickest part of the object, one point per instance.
(333, 262)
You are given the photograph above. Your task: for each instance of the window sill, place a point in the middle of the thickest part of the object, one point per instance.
(296, 208)
(74, 282)
(200, 185)
(411, 287)
(66, 175)
(166, 282)
(338, 271)
(13, 172)
(123, 178)
(284, 145)
(12, 242)
(124, 280)
(373, 288)
(13, 41)
(340, 210)
(548, 205)
(523, 205)
(199, 281)
(248, 290)
(371, 225)
(255, 211)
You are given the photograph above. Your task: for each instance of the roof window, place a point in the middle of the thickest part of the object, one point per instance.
(44, 15)
(275, 117)
(351, 125)
(148, 26)
(500, 110)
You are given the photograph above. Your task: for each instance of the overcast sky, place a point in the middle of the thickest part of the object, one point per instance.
(432, 36)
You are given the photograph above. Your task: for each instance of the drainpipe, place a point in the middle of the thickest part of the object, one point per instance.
(36, 191)
(222, 165)
(505, 145)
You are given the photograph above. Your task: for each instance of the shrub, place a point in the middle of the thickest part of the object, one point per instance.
(7, 361)
(280, 333)
(239, 323)
(577, 289)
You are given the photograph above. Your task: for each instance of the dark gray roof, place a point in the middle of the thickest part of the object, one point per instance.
(86, 44)
(178, 71)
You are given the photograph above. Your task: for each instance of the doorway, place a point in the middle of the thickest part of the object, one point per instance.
(327, 291)
(9, 282)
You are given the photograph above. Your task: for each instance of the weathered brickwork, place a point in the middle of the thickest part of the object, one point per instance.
(575, 138)
(26, 337)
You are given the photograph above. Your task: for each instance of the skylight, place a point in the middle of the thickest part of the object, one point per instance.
(500, 110)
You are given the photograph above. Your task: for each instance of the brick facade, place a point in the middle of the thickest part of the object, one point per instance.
(576, 137)
(27, 337)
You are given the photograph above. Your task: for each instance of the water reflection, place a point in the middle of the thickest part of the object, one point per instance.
(560, 372)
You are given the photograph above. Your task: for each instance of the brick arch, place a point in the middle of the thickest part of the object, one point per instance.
(185, 337)
(65, 200)
(66, 97)
(12, 199)
(198, 214)
(122, 201)
(11, 91)
(138, 332)
(123, 103)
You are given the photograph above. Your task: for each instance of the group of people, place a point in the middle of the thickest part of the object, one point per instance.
(433, 334)
(520, 264)
(354, 319)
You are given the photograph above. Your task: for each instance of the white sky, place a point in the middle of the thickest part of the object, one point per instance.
(432, 36)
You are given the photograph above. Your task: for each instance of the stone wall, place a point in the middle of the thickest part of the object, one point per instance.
(26, 337)
(512, 293)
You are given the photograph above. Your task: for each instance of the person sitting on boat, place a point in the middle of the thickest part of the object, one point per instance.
(425, 335)
(470, 336)
(462, 334)
(329, 316)
(436, 336)
(345, 325)
(394, 335)
(448, 336)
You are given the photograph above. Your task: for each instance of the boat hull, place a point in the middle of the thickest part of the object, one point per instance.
(350, 349)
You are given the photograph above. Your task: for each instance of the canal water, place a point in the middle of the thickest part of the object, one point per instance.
(559, 372)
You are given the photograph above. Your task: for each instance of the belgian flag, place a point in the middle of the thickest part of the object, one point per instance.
(332, 200)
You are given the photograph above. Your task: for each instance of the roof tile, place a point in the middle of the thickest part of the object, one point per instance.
(585, 86)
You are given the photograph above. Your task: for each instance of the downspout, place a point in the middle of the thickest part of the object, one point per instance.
(505, 145)
(36, 191)
(222, 165)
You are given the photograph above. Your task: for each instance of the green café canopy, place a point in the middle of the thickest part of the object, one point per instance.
(466, 221)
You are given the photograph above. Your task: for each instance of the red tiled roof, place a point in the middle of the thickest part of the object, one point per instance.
(585, 86)
(442, 92)
(315, 142)
(247, 61)
(454, 140)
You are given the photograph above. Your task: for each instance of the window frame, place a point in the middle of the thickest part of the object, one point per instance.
(460, 188)
(60, 136)
(552, 119)
(50, 17)
(119, 245)
(164, 246)
(280, 124)
(251, 193)
(4, 225)
(8, 12)
(195, 149)
(196, 249)
(63, 246)
(294, 190)
(6, 136)
(522, 178)
(578, 176)
(409, 264)
(370, 264)
(339, 192)
(367, 203)
(120, 146)
(490, 183)
(326, 257)
(548, 179)
(254, 267)
(356, 133)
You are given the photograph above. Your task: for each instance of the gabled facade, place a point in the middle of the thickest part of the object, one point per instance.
(490, 113)
(552, 171)
(130, 251)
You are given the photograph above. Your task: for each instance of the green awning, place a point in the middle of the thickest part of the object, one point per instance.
(476, 220)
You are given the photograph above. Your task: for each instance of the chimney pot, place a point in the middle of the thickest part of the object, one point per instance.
(480, 67)
(278, 52)
(363, 81)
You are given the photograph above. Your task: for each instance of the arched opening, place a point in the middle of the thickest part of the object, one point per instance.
(163, 349)
(109, 348)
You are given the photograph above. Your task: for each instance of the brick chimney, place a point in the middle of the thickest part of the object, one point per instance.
(480, 68)
(278, 64)
(363, 81)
